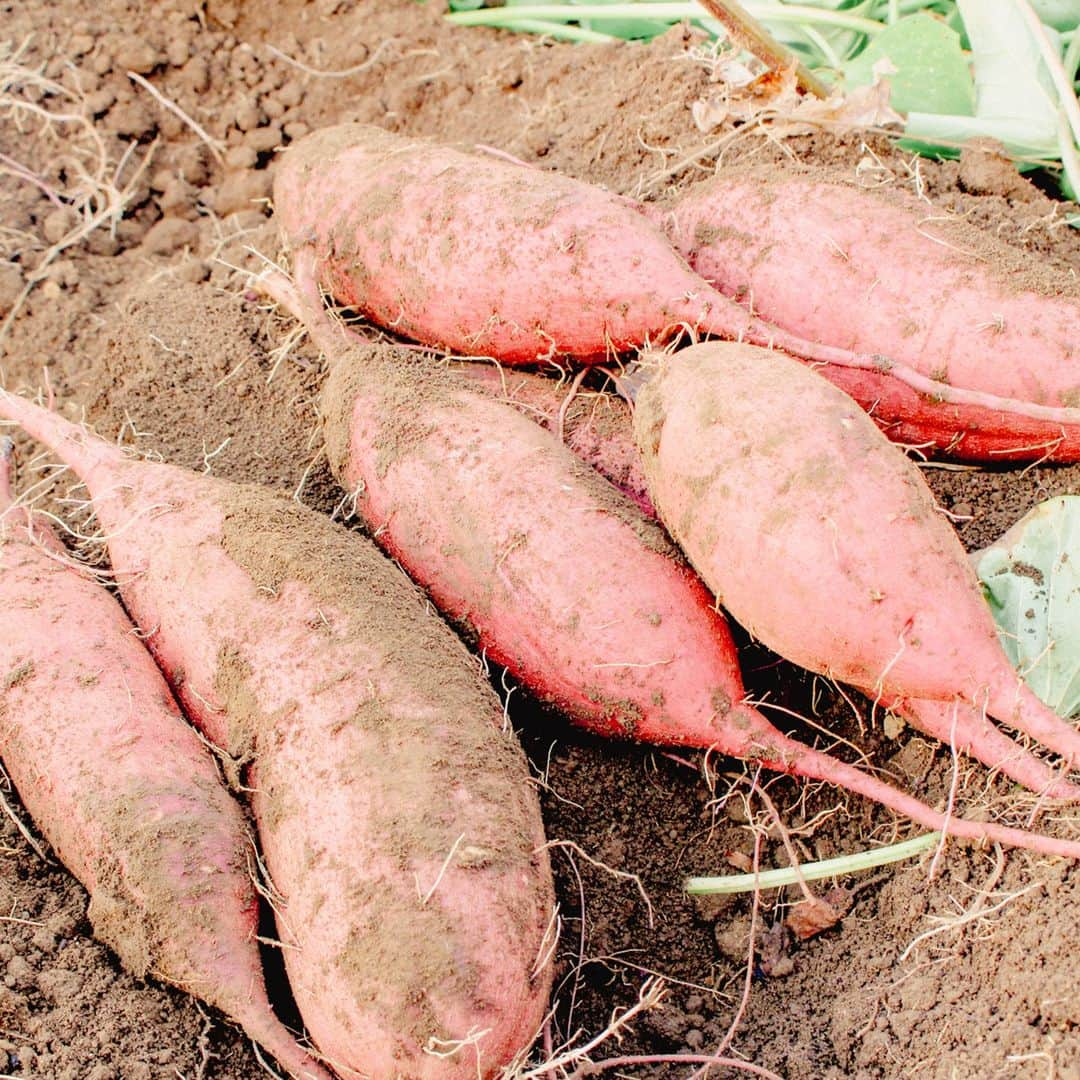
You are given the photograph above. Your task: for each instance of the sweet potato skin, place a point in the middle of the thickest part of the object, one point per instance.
(594, 424)
(420, 791)
(123, 789)
(479, 504)
(404, 842)
(882, 273)
(481, 257)
(778, 488)
(405, 232)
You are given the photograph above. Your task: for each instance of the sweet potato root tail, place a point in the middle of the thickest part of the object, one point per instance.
(782, 754)
(1032, 717)
(83, 451)
(262, 1026)
(759, 332)
(975, 734)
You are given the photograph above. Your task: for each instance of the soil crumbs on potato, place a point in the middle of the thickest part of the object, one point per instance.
(143, 323)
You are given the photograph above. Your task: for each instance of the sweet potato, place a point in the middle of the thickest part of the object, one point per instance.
(607, 443)
(410, 882)
(822, 538)
(477, 503)
(485, 258)
(122, 788)
(547, 567)
(592, 423)
(884, 273)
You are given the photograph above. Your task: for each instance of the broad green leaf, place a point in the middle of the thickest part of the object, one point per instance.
(931, 73)
(1015, 99)
(1032, 581)
(1060, 14)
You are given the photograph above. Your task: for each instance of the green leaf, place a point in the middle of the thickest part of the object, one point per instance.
(1032, 581)
(1060, 14)
(1015, 99)
(932, 73)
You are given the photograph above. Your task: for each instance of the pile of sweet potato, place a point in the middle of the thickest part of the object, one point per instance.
(774, 483)
(399, 839)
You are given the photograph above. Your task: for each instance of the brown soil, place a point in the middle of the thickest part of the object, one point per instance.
(147, 326)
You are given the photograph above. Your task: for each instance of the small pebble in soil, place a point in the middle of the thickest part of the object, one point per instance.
(241, 157)
(240, 190)
(177, 52)
(132, 118)
(58, 223)
(135, 54)
(100, 101)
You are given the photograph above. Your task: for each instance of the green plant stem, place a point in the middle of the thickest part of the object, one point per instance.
(766, 12)
(789, 875)
(561, 31)
(821, 42)
(1070, 159)
(1072, 57)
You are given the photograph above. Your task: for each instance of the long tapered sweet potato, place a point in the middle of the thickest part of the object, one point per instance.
(122, 788)
(554, 573)
(599, 429)
(479, 504)
(411, 886)
(486, 258)
(822, 538)
(881, 272)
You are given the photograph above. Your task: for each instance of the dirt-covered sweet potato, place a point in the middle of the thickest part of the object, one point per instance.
(820, 537)
(123, 789)
(979, 342)
(482, 257)
(401, 832)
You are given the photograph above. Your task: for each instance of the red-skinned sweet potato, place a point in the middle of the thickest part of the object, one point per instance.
(411, 886)
(482, 257)
(608, 445)
(820, 537)
(122, 788)
(593, 423)
(478, 504)
(962, 318)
